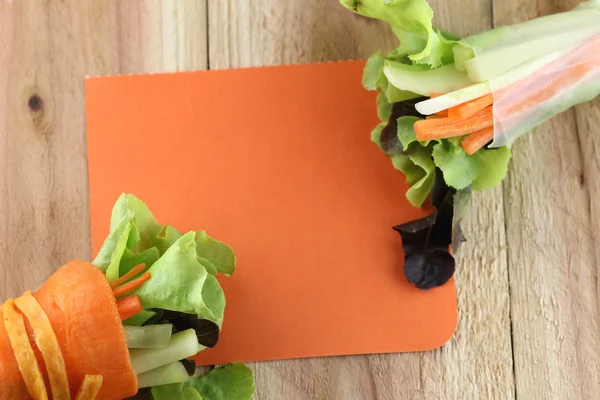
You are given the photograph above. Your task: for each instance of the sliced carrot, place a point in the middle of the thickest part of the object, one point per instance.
(434, 116)
(443, 113)
(129, 306)
(23, 352)
(567, 76)
(47, 343)
(130, 274)
(566, 79)
(132, 285)
(90, 387)
(476, 140)
(83, 312)
(472, 107)
(443, 128)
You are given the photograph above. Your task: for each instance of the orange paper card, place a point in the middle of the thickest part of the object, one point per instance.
(278, 163)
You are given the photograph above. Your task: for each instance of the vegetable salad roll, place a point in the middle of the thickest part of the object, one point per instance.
(126, 324)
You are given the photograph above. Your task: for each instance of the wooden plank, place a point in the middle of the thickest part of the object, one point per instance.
(552, 226)
(46, 50)
(477, 362)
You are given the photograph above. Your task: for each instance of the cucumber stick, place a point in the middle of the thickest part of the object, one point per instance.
(148, 337)
(165, 375)
(425, 82)
(182, 345)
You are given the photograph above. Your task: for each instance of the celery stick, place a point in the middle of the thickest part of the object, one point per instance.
(425, 82)
(165, 375)
(492, 64)
(148, 337)
(182, 345)
(452, 99)
(461, 55)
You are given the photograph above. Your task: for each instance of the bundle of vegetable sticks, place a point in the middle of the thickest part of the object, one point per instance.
(451, 108)
(126, 324)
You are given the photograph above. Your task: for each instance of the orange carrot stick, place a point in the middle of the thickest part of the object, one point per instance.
(90, 387)
(129, 306)
(476, 140)
(443, 128)
(130, 274)
(434, 116)
(443, 113)
(472, 107)
(566, 78)
(132, 285)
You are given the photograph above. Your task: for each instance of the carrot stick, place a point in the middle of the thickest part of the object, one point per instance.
(132, 285)
(476, 140)
(443, 128)
(434, 116)
(129, 306)
(130, 274)
(472, 107)
(565, 78)
(90, 387)
(443, 113)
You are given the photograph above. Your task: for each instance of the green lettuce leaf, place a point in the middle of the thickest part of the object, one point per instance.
(139, 318)
(411, 21)
(219, 254)
(376, 133)
(419, 191)
(417, 166)
(406, 131)
(482, 170)
(136, 237)
(493, 169)
(384, 107)
(111, 252)
(180, 283)
(395, 95)
(372, 71)
(230, 382)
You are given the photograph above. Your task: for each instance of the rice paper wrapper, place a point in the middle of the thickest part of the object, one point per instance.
(557, 82)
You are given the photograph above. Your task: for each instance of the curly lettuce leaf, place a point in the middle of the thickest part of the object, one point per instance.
(376, 134)
(417, 166)
(180, 283)
(411, 21)
(482, 170)
(372, 71)
(111, 252)
(494, 167)
(136, 237)
(230, 382)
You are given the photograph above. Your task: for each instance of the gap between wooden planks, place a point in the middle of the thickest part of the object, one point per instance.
(552, 204)
(46, 48)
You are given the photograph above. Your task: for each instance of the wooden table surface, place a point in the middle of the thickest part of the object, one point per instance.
(527, 282)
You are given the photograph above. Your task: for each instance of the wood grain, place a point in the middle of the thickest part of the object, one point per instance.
(477, 362)
(551, 198)
(47, 48)
(547, 248)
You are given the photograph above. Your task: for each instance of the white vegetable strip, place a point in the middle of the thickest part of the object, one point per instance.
(495, 63)
(452, 99)
(439, 80)
(182, 345)
(148, 337)
(165, 375)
